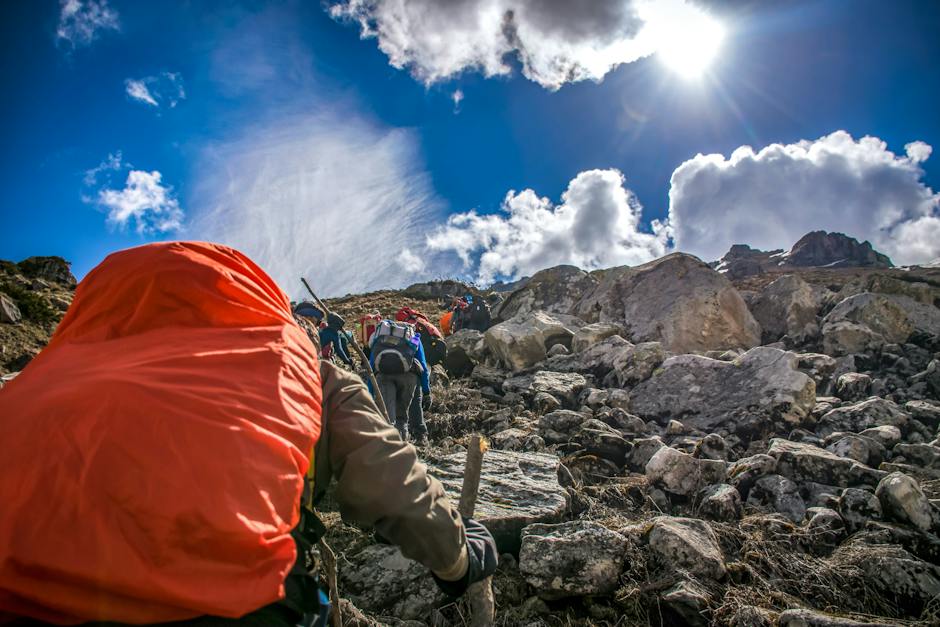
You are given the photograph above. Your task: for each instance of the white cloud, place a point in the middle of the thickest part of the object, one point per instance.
(410, 262)
(457, 98)
(335, 199)
(595, 226)
(80, 22)
(555, 41)
(770, 198)
(145, 201)
(165, 88)
(114, 162)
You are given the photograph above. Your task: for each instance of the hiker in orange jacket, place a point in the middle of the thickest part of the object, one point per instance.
(160, 458)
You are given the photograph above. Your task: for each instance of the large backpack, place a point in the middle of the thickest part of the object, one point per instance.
(394, 347)
(367, 326)
(477, 315)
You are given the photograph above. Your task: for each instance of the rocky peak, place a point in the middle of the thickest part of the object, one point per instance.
(835, 250)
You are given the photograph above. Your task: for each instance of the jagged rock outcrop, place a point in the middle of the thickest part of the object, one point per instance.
(678, 301)
(554, 290)
(746, 395)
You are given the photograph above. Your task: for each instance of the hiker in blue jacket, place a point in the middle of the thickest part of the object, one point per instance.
(333, 335)
(399, 368)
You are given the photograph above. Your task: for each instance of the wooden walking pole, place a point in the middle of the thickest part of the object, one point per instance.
(480, 594)
(362, 355)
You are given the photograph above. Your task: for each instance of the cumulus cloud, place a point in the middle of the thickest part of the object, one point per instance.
(164, 89)
(597, 225)
(555, 41)
(80, 22)
(338, 200)
(145, 201)
(770, 198)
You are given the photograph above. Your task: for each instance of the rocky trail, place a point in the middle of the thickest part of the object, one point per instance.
(669, 447)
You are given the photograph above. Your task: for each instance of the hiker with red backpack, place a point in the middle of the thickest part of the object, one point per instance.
(397, 358)
(432, 340)
(161, 457)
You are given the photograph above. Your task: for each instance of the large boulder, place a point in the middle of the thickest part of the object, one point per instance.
(864, 322)
(786, 307)
(591, 334)
(575, 558)
(525, 339)
(803, 462)
(380, 580)
(555, 290)
(516, 490)
(874, 412)
(762, 386)
(687, 544)
(676, 300)
(465, 349)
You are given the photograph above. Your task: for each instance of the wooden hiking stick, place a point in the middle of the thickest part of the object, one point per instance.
(375, 384)
(480, 594)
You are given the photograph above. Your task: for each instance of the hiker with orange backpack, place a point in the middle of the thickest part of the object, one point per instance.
(159, 460)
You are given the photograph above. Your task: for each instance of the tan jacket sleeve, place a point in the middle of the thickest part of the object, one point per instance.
(380, 481)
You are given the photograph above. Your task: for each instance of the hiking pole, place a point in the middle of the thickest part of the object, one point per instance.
(362, 355)
(480, 594)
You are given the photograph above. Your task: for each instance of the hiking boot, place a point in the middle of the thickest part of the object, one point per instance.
(422, 441)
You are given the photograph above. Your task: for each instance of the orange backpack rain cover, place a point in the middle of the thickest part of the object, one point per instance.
(152, 456)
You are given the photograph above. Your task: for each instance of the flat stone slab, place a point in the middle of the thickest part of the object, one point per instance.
(516, 490)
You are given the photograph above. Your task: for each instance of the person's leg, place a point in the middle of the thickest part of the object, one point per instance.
(389, 391)
(406, 391)
(416, 425)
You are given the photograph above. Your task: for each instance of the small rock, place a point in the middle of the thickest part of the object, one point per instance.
(682, 474)
(779, 493)
(643, 451)
(812, 618)
(9, 312)
(686, 603)
(720, 502)
(543, 403)
(853, 386)
(675, 428)
(857, 507)
(886, 435)
(858, 447)
(825, 524)
(687, 544)
(744, 473)
(591, 334)
(902, 500)
(572, 559)
(873, 412)
(712, 446)
(925, 412)
(558, 349)
(924, 455)
(804, 462)
(565, 386)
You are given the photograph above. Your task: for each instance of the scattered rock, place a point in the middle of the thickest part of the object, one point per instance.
(572, 559)
(9, 312)
(686, 603)
(720, 502)
(561, 385)
(681, 474)
(780, 494)
(465, 349)
(805, 462)
(786, 307)
(687, 544)
(523, 341)
(864, 322)
(874, 412)
(853, 386)
(591, 334)
(812, 618)
(380, 580)
(750, 393)
(857, 507)
(902, 500)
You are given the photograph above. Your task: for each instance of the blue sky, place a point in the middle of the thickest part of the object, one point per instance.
(276, 128)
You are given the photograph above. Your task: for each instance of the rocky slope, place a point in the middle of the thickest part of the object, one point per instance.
(669, 446)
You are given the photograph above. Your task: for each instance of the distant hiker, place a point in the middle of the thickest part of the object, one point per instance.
(471, 313)
(432, 340)
(397, 358)
(160, 458)
(366, 327)
(334, 339)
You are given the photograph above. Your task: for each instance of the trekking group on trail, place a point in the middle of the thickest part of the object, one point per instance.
(161, 459)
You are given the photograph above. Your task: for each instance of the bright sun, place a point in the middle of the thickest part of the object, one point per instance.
(688, 44)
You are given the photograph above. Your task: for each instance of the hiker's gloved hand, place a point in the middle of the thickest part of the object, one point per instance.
(426, 401)
(483, 558)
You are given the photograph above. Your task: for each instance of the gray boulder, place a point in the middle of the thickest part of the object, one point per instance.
(681, 474)
(554, 290)
(720, 502)
(812, 618)
(780, 494)
(591, 334)
(516, 490)
(857, 507)
(380, 580)
(575, 558)
(853, 386)
(858, 447)
(676, 300)
(9, 312)
(874, 412)
(745, 472)
(465, 349)
(864, 322)
(761, 386)
(786, 307)
(886, 435)
(804, 462)
(687, 544)
(525, 339)
(562, 385)
(903, 500)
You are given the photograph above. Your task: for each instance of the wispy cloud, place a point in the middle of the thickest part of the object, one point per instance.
(145, 201)
(82, 21)
(337, 199)
(165, 88)
(114, 162)
(457, 98)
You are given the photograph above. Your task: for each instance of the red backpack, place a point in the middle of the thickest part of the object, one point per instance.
(423, 324)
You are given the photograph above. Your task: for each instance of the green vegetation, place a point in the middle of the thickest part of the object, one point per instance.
(33, 306)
